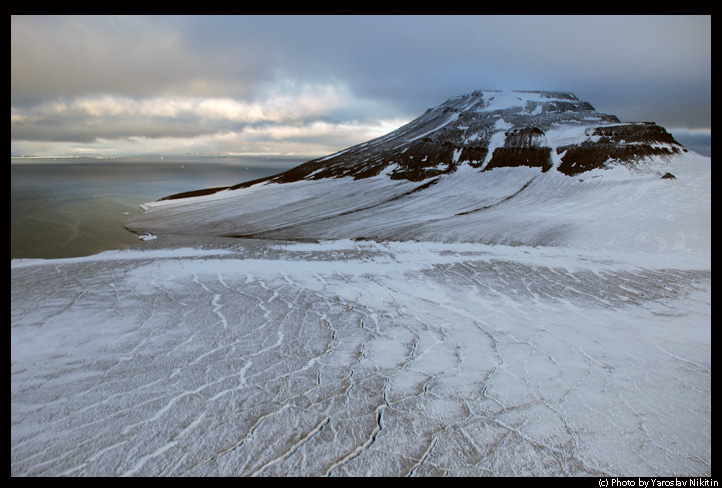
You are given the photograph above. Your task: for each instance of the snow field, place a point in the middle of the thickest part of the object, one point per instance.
(361, 358)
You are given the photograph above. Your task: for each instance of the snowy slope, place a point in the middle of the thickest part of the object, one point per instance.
(537, 200)
(616, 207)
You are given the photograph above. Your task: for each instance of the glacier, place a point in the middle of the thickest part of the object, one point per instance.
(348, 358)
(510, 322)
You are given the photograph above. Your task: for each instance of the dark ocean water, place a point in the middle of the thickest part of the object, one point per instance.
(77, 207)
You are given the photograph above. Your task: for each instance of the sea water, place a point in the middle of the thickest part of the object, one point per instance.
(78, 207)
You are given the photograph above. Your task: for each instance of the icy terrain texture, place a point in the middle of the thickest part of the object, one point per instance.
(489, 319)
(346, 358)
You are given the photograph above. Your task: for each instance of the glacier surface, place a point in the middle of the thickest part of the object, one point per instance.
(360, 358)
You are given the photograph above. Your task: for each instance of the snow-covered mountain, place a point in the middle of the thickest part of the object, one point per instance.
(511, 285)
(492, 129)
(534, 168)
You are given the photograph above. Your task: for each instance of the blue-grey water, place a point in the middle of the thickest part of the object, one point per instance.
(77, 207)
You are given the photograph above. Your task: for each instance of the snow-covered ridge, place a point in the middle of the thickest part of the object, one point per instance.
(491, 100)
(618, 208)
(475, 128)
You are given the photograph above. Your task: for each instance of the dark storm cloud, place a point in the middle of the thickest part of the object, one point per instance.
(176, 76)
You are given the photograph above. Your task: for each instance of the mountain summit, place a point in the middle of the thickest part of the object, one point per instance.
(492, 129)
(487, 130)
(521, 167)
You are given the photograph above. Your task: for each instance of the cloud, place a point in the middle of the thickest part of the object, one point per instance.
(288, 121)
(98, 113)
(698, 140)
(86, 79)
(69, 56)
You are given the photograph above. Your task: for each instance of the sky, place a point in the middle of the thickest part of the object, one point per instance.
(312, 85)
